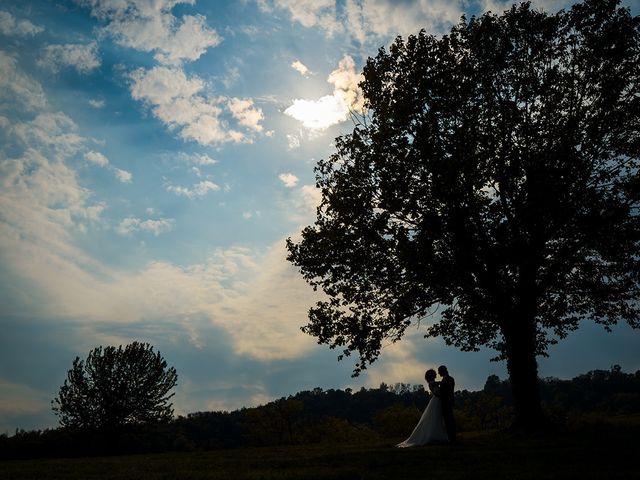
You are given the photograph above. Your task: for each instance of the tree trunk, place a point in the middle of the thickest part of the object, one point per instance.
(520, 341)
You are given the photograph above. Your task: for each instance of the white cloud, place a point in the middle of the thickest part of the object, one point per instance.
(319, 114)
(300, 204)
(310, 197)
(82, 57)
(151, 27)
(309, 13)
(246, 114)
(18, 88)
(96, 103)
(200, 189)
(163, 85)
(97, 158)
(289, 179)
(370, 20)
(127, 226)
(178, 101)
(102, 161)
(263, 312)
(130, 225)
(293, 142)
(400, 361)
(331, 109)
(123, 175)
(201, 159)
(232, 76)
(52, 131)
(41, 206)
(301, 68)
(10, 26)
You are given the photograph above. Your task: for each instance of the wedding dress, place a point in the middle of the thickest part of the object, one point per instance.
(430, 428)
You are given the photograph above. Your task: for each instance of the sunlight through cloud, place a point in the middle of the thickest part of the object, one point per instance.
(331, 109)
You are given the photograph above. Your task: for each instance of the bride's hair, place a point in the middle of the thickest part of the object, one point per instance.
(430, 375)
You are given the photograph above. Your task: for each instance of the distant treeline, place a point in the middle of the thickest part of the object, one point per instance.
(387, 412)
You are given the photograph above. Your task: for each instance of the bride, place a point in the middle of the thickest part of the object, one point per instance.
(430, 428)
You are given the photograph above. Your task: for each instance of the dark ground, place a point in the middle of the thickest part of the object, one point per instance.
(602, 451)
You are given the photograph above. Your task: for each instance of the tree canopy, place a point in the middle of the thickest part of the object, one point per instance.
(116, 386)
(490, 190)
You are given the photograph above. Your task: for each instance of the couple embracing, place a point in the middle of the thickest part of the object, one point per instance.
(436, 424)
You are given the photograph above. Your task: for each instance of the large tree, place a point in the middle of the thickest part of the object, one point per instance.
(116, 386)
(494, 180)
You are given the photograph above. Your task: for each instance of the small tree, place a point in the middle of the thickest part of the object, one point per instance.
(116, 386)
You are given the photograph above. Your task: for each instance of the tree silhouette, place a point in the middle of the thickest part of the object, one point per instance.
(491, 190)
(116, 386)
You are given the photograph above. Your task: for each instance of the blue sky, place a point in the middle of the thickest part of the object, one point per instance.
(154, 156)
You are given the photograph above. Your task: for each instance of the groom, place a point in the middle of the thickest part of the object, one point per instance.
(447, 385)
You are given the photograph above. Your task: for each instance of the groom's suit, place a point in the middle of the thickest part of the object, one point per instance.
(447, 386)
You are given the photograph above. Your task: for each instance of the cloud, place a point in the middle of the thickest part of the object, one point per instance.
(246, 114)
(42, 202)
(102, 161)
(151, 27)
(178, 101)
(41, 208)
(198, 190)
(300, 204)
(123, 175)
(301, 68)
(9, 26)
(97, 158)
(263, 313)
(16, 88)
(309, 13)
(369, 20)
(96, 103)
(82, 57)
(201, 159)
(19, 400)
(331, 109)
(53, 132)
(293, 141)
(289, 179)
(130, 225)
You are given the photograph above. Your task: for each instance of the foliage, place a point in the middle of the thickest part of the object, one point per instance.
(494, 179)
(115, 387)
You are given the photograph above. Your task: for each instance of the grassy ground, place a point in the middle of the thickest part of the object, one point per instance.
(601, 452)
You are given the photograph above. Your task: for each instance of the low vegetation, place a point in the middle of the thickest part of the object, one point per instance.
(378, 416)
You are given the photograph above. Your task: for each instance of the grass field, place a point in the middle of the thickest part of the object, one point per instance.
(603, 452)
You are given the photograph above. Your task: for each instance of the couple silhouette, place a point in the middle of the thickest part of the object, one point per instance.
(436, 424)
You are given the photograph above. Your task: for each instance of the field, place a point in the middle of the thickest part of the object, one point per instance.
(599, 452)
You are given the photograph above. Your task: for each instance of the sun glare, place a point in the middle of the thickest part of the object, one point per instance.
(319, 114)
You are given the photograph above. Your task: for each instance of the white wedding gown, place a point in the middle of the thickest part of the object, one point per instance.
(430, 428)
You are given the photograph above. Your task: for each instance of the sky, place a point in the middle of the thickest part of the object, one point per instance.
(154, 157)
